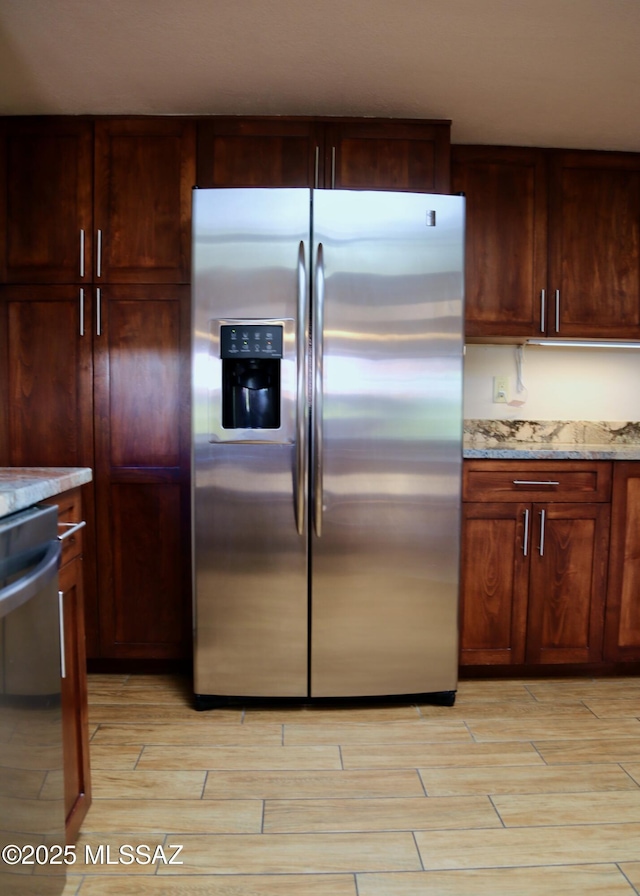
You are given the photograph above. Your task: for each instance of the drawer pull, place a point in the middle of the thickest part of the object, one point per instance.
(535, 482)
(71, 530)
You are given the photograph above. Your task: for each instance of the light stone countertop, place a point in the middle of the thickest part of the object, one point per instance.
(551, 440)
(20, 487)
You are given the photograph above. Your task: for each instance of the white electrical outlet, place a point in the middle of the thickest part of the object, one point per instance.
(500, 389)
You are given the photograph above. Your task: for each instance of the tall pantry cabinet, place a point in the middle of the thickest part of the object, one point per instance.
(94, 308)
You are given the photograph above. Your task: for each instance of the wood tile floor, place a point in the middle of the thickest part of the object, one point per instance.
(523, 788)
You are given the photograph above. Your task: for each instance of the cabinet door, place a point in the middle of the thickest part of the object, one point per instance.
(47, 376)
(259, 152)
(142, 464)
(45, 200)
(506, 238)
(46, 393)
(144, 174)
(622, 631)
(594, 244)
(493, 586)
(388, 155)
(567, 583)
(75, 722)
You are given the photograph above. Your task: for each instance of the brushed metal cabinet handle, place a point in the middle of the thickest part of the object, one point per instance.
(63, 660)
(98, 312)
(525, 549)
(542, 519)
(535, 482)
(81, 299)
(99, 255)
(542, 309)
(71, 529)
(557, 310)
(82, 253)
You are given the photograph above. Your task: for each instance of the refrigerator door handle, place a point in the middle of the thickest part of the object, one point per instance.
(302, 337)
(318, 337)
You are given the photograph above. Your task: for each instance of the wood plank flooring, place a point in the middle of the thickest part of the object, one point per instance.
(523, 788)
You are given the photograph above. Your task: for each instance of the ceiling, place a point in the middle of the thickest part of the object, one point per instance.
(519, 72)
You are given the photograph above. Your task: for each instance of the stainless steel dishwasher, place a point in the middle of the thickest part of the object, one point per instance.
(31, 769)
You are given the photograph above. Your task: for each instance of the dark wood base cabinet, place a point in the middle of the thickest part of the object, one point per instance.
(75, 713)
(534, 562)
(622, 627)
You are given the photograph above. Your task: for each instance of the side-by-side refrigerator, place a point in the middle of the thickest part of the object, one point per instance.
(327, 443)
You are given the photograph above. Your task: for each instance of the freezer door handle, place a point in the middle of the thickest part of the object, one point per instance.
(302, 337)
(318, 336)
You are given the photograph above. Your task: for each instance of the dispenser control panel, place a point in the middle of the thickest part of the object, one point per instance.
(251, 341)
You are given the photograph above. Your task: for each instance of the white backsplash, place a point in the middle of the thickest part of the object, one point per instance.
(561, 384)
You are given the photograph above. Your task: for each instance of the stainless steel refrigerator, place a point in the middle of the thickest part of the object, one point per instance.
(327, 426)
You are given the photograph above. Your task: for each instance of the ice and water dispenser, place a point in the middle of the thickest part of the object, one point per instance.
(251, 355)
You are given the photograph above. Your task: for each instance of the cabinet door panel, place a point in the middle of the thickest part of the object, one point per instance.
(48, 377)
(595, 244)
(622, 637)
(567, 583)
(142, 470)
(144, 611)
(142, 338)
(75, 722)
(493, 583)
(236, 152)
(394, 155)
(144, 173)
(506, 238)
(46, 180)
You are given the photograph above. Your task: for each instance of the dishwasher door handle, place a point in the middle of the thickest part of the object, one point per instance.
(23, 589)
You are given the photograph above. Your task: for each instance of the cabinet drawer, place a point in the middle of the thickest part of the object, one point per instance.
(69, 506)
(488, 480)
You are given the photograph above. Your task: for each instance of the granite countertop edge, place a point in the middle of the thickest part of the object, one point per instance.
(552, 451)
(20, 487)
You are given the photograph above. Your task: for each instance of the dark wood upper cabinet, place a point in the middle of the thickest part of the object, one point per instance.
(47, 371)
(46, 170)
(553, 241)
(144, 174)
(594, 244)
(260, 152)
(382, 154)
(506, 238)
(387, 155)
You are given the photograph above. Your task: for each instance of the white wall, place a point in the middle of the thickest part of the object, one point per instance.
(561, 384)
